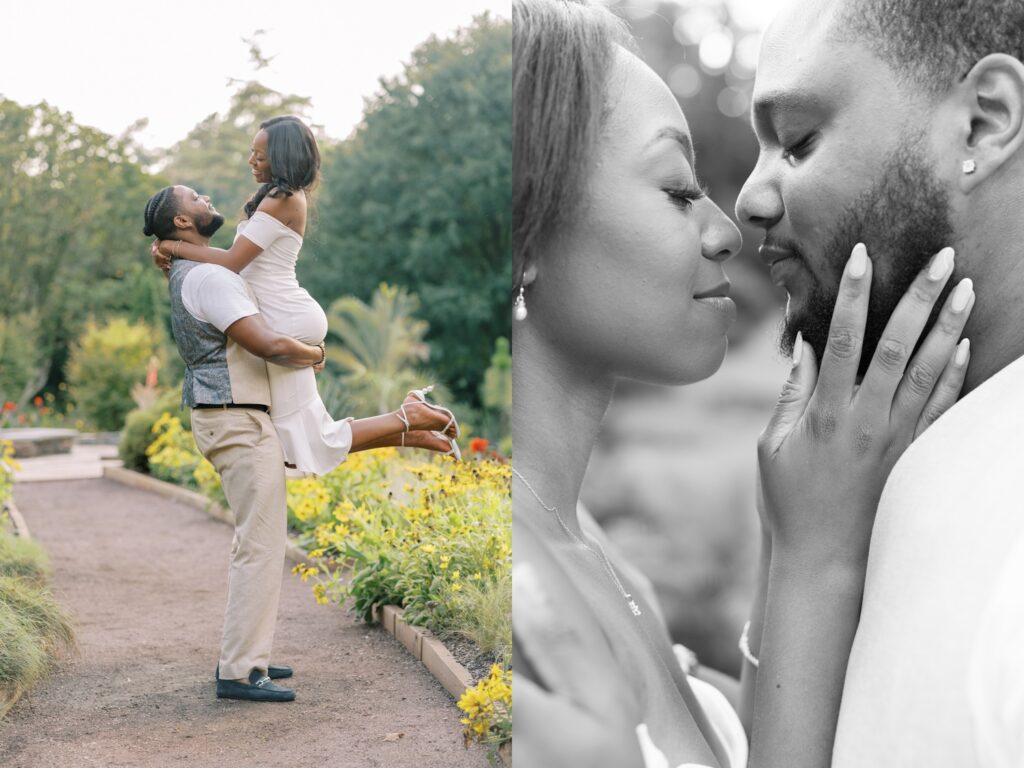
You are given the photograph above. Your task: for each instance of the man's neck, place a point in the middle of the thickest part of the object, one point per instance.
(195, 238)
(994, 260)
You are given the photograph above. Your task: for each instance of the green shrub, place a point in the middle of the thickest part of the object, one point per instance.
(137, 433)
(22, 559)
(33, 631)
(106, 362)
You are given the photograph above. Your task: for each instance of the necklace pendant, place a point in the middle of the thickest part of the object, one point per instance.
(634, 607)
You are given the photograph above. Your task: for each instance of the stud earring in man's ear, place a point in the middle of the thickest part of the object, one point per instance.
(969, 166)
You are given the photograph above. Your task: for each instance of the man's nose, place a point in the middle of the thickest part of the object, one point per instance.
(759, 203)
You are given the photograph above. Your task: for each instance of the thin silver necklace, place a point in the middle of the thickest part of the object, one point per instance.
(599, 553)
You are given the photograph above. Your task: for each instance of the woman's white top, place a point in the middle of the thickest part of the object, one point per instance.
(310, 438)
(720, 714)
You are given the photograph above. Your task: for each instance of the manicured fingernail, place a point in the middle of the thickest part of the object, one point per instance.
(798, 348)
(962, 350)
(940, 264)
(962, 295)
(859, 261)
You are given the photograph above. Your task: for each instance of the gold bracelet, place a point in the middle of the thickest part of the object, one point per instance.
(177, 247)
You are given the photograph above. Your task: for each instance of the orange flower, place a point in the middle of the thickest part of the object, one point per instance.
(9, 406)
(478, 445)
(38, 400)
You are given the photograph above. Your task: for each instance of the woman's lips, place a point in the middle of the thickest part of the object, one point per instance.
(722, 289)
(722, 305)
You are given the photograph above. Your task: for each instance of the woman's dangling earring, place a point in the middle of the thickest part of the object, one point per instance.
(519, 306)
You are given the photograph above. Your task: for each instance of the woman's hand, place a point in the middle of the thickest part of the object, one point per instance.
(161, 253)
(824, 459)
(828, 449)
(579, 710)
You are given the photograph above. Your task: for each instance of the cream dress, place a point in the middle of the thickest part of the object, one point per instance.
(311, 439)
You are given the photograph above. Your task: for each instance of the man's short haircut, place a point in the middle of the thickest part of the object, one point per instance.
(160, 212)
(933, 43)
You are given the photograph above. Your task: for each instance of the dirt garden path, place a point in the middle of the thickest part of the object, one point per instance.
(145, 579)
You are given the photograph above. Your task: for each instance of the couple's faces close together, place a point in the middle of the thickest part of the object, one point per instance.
(846, 156)
(201, 211)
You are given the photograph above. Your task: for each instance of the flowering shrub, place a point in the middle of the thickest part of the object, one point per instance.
(488, 708)
(41, 411)
(412, 533)
(173, 457)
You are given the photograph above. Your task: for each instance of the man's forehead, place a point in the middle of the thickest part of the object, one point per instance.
(795, 47)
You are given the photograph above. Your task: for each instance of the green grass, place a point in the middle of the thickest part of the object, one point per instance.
(483, 613)
(23, 559)
(34, 629)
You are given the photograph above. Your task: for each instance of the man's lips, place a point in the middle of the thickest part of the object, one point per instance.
(722, 289)
(771, 254)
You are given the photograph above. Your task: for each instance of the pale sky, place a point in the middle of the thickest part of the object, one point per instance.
(111, 62)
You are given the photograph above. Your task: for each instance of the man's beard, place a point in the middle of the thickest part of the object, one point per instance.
(903, 220)
(209, 228)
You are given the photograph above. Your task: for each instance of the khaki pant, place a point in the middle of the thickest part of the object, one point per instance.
(244, 449)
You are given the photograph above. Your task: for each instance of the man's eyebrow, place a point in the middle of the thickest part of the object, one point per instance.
(766, 106)
(679, 137)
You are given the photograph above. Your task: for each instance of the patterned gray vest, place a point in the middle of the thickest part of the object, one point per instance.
(217, 370)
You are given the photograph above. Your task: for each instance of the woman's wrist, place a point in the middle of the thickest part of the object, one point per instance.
(828, 572)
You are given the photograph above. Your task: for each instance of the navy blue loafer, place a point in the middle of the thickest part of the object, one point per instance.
(260, 688)
(273, 672)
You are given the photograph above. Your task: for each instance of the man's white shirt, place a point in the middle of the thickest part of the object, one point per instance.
(214, 294)
(936, 676)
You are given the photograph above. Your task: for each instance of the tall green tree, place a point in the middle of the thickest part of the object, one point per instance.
(71, 246)
(420, 196)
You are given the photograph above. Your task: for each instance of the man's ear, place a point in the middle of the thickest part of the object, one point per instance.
(183, 221)
(994, 93)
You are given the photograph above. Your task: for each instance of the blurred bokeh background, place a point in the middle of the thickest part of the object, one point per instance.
(673, 476)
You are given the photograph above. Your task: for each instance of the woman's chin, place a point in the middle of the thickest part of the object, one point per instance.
(695, 364)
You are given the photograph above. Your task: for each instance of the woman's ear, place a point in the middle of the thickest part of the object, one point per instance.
(529, 272)
(994, 89)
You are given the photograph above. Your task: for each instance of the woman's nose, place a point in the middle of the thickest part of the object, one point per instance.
(721, 239)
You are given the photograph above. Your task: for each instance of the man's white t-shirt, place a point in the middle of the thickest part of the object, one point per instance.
(936, 676)
(214, 294)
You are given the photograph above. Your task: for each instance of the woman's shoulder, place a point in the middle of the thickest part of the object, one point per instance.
(288, 211)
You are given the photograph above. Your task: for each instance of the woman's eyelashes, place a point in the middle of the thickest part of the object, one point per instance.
(798, 151)
(683, 196)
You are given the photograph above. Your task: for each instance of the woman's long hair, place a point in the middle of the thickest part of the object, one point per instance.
(294, 160)
(562, 51)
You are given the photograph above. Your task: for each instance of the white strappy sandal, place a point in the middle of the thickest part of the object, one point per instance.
(420, 395)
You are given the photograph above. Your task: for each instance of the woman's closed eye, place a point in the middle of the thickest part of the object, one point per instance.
(685, 195)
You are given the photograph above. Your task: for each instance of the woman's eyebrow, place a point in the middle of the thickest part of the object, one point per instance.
(681, 138)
